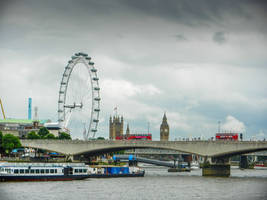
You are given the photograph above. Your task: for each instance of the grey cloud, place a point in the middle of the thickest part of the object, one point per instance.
(219, 37)
(202, 12)
(180, 37)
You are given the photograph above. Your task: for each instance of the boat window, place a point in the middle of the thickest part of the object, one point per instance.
(47, 171)
(84, 170)
(55, 170)
(80, 170)
(76, 170)
(52, 171)
(27, 171)
(42, 171)
(37, 171)
(32, 171)
(21, 171)
(16, 171)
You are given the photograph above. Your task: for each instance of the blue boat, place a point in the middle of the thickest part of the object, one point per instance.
(114, 171)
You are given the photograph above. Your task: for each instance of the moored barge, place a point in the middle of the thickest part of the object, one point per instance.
(62, 171)
(115, 171)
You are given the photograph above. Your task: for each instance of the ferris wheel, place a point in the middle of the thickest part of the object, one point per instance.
(79, 97)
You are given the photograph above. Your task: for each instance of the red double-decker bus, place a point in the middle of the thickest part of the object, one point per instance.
(226, 136)
(147, 136)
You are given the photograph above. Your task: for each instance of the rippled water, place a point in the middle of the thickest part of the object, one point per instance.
(157, 184)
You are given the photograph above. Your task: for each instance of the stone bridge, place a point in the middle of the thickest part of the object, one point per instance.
(203, 148)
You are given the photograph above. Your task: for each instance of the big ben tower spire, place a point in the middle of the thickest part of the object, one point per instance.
(164, 129)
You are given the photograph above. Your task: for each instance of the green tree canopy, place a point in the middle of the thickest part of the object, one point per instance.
(33, 135)
(1, 137)
(64, 136)
(10, 142)
(100, 138)
(43, 132)
(1, 141)
(49, 136)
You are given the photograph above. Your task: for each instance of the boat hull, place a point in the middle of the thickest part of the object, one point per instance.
(66, 178)
(116, 175)
(42, 178)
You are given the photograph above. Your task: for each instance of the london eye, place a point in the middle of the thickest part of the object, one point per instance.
(79, 97)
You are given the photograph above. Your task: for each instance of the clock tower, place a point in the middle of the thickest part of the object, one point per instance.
(164, 129)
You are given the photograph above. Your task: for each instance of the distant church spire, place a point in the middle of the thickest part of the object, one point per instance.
(164, 117)
(127, 130)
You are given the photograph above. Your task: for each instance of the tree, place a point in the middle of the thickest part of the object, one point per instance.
(43, 132)
(49, 136)
(33, 135)
(64, 136)
(100, 138)
(10, 142)
(1, 141)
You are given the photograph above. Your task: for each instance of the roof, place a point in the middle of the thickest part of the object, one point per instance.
(21, 121)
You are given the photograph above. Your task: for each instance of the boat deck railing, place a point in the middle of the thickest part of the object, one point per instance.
(13, 164)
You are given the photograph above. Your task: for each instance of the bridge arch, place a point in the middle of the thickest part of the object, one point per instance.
(120, 148)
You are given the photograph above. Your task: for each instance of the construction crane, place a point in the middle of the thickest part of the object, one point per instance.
(3, 112)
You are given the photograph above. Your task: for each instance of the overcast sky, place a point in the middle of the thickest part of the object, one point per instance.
(199, 61)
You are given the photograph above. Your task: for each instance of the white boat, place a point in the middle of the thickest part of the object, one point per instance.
(43, 171)
(194, 165)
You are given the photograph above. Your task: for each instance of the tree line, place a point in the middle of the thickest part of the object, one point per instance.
(8, 142)
(43, 133)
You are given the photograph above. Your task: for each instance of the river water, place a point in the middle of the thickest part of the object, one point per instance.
(157, 184)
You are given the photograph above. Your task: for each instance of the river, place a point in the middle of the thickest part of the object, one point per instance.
(157, 184)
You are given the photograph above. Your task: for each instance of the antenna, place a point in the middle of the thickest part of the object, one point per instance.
(219, 126)
(85, 136)
(116, 111)
(35, 113)
(30, 108)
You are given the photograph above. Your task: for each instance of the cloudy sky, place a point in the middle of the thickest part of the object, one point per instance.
(199, 61)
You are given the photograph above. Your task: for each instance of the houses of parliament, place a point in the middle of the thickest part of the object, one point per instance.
(116, 124)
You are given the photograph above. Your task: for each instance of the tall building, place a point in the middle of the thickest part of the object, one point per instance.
(115, 127)
(164, 129)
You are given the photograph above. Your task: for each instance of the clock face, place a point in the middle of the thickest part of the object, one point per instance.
(166, 130)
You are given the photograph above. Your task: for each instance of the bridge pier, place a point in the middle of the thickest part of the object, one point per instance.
(219, 167)
(243, 164)
(247, 162)
(73, 158)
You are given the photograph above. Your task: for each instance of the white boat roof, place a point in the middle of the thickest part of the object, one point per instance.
(11, 164)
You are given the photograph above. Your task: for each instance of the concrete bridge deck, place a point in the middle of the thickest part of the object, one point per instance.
(202, 148)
